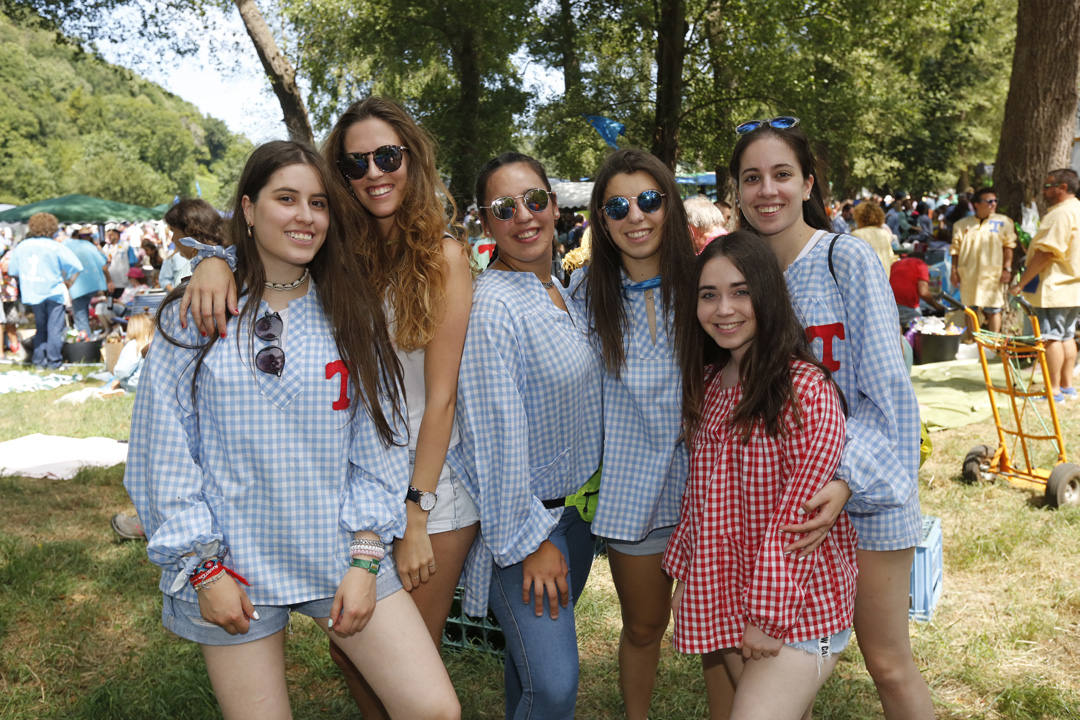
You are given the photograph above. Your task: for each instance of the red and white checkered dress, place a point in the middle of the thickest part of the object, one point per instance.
(728, 549)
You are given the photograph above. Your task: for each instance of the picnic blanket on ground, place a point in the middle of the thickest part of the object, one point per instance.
(58, 457)
(953, 394)
(23, 381)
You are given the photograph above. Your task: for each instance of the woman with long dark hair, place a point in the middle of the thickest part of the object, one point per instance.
(843, 300)
(389, 192)
(269, 468)
(631, 296)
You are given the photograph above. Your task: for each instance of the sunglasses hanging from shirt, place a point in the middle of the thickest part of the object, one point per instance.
(387, 158)
(271, 359)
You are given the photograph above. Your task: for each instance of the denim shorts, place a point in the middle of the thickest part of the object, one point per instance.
(986, 310)
(655, 543)
(824, 647)
(1057, 323)
(455, 508)
(184, 618)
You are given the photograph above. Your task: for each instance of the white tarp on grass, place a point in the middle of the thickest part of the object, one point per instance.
(58, 457)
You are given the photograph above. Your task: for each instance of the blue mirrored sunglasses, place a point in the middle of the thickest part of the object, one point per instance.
(617, 207)
(784, 122)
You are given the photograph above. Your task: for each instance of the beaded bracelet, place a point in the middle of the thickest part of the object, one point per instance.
(210, 570)
(365, 551)
(372, 565)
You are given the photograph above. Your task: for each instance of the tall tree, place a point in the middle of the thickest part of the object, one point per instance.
(1040, 112)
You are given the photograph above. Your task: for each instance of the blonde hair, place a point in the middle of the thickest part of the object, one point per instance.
(868, 214)
(140, 328)
(703, 214)
(406, 268)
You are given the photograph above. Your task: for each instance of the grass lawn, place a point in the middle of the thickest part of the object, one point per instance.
(80, 633)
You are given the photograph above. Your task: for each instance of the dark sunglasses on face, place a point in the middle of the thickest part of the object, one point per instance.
(783, 122)
(387, 158)
(618, 207)
(989, 201)
(271, 359)
(503, 208)
(1047, 186)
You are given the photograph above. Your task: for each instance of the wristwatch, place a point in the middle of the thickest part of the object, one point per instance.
(426, 500)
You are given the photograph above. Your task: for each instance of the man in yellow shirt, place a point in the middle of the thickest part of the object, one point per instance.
(982, 250)
(1054, 259)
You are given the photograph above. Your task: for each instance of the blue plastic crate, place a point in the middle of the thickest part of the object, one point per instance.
(927, 572)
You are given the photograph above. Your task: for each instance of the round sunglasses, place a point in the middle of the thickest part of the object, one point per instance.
(503, 208)
(784, 122)
(387, 158)
(271, 359)
(617, 207)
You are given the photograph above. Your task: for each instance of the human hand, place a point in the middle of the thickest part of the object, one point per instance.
(211, 289)
(676, 597)
(354, 602)
(1006, 277)
(1014, 289)
(225, 604)
(413, 555)
(829, 502)
(544, 572)
(954, 279)
(756, 645)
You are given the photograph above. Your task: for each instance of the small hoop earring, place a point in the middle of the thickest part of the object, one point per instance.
(249, 231)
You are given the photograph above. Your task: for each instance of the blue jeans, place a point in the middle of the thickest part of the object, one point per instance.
(49, 333)
(80, 310)
(541, 671)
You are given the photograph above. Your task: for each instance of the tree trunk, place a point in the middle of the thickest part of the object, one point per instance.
(670, 51)
(1040, 112)
(279, 70)
(571, 64)
(463, 162)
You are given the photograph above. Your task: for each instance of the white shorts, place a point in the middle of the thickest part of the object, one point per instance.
(454, 508)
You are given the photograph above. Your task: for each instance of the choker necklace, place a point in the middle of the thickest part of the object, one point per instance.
(288, 286)
(548, 284)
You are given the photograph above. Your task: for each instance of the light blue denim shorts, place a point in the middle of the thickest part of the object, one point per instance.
(1057, 323)
(655, 543)
(824, 647)
(454, 508)
(184, 618)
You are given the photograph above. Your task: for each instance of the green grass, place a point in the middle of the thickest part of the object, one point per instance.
(80, 632)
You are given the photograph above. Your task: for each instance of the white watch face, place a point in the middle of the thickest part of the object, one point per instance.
(427, 501)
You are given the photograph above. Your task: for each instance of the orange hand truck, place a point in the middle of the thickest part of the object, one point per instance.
(1061, 484)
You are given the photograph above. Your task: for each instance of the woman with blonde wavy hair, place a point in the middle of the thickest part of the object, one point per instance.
(391, 192)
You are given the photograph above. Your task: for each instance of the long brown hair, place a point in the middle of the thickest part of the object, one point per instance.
(604, 297)
(765, 370)
(406, 268)
(352, 307)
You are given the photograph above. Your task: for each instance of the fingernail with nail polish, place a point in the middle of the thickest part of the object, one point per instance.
(254, 614)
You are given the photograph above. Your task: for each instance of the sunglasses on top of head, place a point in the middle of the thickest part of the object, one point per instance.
(617, 207)
(783, 122)
(503, 208)
(387, 158)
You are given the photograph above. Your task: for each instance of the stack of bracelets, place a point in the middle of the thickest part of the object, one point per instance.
(209, 571)
(367, 554)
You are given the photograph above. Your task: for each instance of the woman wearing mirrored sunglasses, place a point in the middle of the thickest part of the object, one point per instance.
(390, 192)
(268, 468)
(843, 299)
(630, 296)
(529, 414)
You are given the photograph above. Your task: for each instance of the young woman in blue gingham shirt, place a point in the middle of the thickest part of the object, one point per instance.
(530, 420)
(841, 296)
(277, 454)
(629, 296)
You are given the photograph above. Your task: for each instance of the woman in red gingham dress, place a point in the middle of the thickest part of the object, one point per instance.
(767, 429)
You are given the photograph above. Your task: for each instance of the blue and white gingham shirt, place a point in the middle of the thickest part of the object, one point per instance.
(265, 465)
(645, 464)
(530, 418)
(853, 328)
